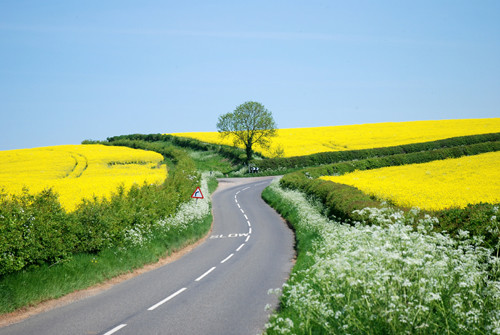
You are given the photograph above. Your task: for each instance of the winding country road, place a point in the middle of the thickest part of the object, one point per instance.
(220, 287)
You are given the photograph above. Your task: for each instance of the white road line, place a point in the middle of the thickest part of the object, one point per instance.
(250, 230)
(248, 237)
(242, 211)
(225, 259)
(249, 224)
(203, 275)
(246, 188)
(239, 206)
(237, 192)
(167, 299)
(114, 330)
(246, 217)
(241, 246)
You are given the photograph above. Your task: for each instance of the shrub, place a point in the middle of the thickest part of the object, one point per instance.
(33, 229)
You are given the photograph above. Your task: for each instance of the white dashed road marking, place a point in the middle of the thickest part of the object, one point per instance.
(114, 330)
(167, 299)
(205, 274)
(225, 259)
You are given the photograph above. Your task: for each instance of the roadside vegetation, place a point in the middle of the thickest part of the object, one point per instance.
(382, 278)
(46, 252)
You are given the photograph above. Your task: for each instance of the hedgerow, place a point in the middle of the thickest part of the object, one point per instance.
(235, 154)
(350, 155)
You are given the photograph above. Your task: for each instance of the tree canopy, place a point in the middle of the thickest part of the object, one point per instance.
(250, 123)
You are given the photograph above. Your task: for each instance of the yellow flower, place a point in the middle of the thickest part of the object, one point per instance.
(434, 186)
(79, 171)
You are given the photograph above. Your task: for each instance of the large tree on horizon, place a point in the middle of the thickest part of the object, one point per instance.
(250, 123)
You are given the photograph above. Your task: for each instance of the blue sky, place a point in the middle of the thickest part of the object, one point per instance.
(75, 70)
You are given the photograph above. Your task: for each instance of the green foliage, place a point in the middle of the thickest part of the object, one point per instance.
(211, 161)
(250, 123)
(304, 238)
(25, 287)
(33, 229)
(340, 200)
(481, 220)
(159, 140)
(46, 252)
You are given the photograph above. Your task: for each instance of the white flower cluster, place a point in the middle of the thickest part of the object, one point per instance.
(389, 278)
(189, 212)
(494, 227)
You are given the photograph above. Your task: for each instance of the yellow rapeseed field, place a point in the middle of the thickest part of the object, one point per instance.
(78, 171)
(306, 141)
(434, 186)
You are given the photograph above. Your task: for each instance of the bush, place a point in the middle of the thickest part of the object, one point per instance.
(33, 229)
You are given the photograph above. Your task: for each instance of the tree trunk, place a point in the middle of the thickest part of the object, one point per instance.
(248, 150)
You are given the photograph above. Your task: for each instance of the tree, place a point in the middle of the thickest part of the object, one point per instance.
(250, 123)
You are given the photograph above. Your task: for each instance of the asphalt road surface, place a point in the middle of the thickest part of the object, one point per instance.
(220, 287)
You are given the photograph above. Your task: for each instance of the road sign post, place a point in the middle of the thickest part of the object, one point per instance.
(197, 194)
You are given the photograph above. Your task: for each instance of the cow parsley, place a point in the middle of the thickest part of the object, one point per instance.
(388, 278)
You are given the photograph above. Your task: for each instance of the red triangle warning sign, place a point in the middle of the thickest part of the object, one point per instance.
(197, 194)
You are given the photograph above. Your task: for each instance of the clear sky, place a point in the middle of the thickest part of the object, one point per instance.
(75, 70)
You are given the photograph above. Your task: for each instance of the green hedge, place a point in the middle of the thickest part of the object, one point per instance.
(479, 219)
(33, 229)
(237, 155)
(343, 156)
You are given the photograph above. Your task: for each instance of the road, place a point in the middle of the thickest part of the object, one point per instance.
(220, 287)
